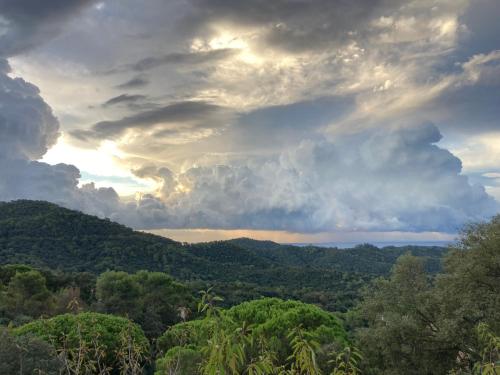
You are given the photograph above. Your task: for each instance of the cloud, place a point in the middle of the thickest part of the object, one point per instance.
(28, 129)
(25, 179)
(372, 180)
(189, 114)
(470, 104)
(275, 115)
(29, 23)
(27, 126)
(391, 180)
(295, 26)
(133, 83)
(312, 26)
(124, 99)
(189, 58)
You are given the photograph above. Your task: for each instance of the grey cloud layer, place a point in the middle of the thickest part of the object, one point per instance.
(316, 86)
(375, 180)
(182, 58)
(123, 98)
(133, 83)
(291, 25)
(29, 23)
(191, 114)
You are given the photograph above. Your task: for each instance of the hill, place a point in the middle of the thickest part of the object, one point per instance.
(45, 235)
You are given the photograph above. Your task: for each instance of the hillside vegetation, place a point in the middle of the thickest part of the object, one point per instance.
(45, 235)
(418, 318)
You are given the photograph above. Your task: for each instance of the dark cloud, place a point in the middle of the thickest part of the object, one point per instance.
(28, 127)
(483, 28)
(32, 22)
(197, 114)
(176, 58)
(25, 179)
(293, 25)
(472, 104)
(470, 110)
(190, 58)
(134, 83)
(124, 99)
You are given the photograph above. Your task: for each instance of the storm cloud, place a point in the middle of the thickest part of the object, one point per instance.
(302, 116)
(396, 180)
(25, 24)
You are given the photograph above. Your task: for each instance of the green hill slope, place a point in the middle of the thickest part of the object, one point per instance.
(48, 236)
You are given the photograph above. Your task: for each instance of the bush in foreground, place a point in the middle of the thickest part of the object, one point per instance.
(260, 336)
(97, 341)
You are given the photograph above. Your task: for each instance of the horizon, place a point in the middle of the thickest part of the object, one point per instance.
(292, 121)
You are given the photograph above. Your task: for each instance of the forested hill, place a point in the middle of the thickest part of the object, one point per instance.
(48, 236)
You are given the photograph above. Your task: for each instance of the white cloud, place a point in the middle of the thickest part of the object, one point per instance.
(396, 180)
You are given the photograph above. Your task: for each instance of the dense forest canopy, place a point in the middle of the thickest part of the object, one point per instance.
(408, 311)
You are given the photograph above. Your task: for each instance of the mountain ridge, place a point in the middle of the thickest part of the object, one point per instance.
(46, 235)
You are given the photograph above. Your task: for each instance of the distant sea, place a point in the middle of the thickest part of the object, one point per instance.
(347, 245)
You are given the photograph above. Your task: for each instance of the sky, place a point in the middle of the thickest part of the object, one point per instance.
(291, 120)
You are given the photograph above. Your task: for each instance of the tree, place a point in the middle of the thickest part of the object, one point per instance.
(27, 294)
(403, 334)
(152, 299)
(91, 341)
(257, 337)
(469, 288)
(27, 355)
(118, 293)
(419, 325)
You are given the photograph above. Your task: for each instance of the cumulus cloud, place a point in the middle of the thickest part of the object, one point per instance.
(28, 129)
(27, 126)
(379, 180)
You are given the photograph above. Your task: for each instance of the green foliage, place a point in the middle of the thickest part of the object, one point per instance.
(25, 295)
(47, 236)
(98, 336)
(489, 343)
(255, 336)
(346, 362)
(411, 321)
(27, 355)
(469, 287)
(179, 361)
(152, 299)
(402, 333)
(304, 349)
(418, 325)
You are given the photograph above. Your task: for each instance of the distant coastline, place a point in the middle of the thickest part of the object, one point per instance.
(348, 245)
